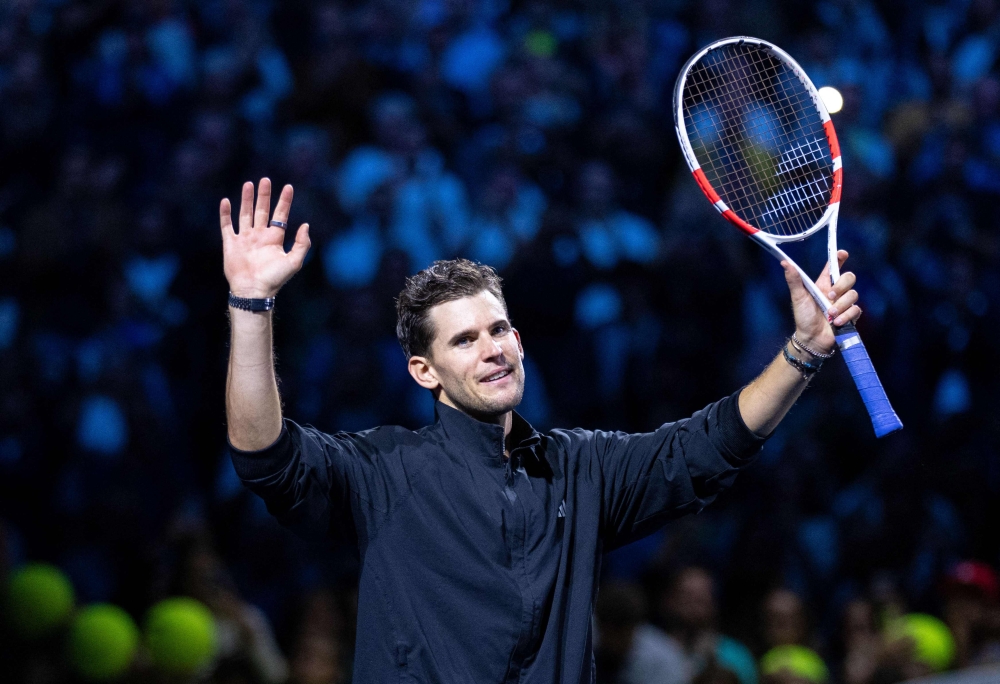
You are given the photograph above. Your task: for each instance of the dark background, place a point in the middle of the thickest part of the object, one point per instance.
(534, 136)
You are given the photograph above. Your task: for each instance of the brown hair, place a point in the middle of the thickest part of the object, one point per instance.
(442, 281)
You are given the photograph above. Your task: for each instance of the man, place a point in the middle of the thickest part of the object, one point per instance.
(687, 609)
(480, 539)
(628, 649)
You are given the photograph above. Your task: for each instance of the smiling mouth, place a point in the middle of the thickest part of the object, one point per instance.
(499, 375)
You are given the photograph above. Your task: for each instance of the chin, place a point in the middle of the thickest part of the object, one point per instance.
(496, 405)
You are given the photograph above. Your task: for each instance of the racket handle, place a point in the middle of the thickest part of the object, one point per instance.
(884, 419)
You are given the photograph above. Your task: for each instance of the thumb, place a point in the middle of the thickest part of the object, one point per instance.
(793, 279)
(301, 246)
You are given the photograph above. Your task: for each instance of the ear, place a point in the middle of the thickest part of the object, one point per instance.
(517, 336)
(422, 371)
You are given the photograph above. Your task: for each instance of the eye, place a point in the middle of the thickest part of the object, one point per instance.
(463, 341)
(500, 330)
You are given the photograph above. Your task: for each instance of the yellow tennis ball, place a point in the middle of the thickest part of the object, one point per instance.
(180, 635)
(103, 641)
(797, 660)
(39, 600)
(932, 640)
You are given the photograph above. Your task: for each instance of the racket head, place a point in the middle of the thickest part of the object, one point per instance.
(758, 138)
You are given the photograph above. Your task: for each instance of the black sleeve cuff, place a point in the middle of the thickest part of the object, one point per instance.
(737, 437)
(254, 465)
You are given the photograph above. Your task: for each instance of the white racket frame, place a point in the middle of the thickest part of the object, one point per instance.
(766, 240)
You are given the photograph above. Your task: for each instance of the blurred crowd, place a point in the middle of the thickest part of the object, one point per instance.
(535, 136)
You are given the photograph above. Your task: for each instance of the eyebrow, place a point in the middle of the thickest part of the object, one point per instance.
(471, 332)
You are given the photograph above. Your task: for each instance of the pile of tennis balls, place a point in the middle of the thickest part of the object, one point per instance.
(932, 642)
(102, 641)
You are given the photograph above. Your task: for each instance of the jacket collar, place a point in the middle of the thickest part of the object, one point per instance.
(485, 439)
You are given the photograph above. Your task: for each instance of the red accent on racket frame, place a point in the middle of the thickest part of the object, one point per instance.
(706, 187)
(713, 197)
(838, 180)
(739, 223)
(831, 136)
(838, 175)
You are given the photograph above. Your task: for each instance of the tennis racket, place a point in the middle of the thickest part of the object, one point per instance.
(762, 148)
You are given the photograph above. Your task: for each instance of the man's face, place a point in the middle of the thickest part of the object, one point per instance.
(784, 618)
(475, 358)
(692, 601)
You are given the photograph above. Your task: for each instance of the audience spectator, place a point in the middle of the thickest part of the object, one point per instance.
(608, 234)
(243, 633)
(687, 607)
(971, 611)
(628, 649)
(862, 642)
(784, 620)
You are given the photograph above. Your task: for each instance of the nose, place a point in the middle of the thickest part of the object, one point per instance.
(491, 348)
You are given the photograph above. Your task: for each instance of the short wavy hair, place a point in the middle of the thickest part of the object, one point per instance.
(442, 281)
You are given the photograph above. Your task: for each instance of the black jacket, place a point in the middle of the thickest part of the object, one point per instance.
(476, 570)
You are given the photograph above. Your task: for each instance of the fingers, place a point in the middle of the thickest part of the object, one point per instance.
(259, 217)
(246, 207)
(263, 203)
(852, 314)
(841, 310)
(824, 279)
(226, 219)
(845, 283)
(301, 246)
(284, 205)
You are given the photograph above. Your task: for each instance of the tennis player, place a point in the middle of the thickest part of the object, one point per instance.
(480, 538)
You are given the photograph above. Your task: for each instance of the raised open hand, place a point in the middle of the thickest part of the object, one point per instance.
(255, 260)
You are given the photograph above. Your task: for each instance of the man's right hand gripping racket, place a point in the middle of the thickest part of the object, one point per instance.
(762, 148)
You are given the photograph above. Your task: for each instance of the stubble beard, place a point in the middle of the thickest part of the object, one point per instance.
(490, 407)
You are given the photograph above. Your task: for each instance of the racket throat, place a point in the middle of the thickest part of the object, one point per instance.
(778, 253)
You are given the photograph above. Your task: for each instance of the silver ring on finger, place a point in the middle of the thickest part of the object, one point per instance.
(278, 224)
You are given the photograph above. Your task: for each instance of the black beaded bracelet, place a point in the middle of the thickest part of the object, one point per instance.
(247, 304)
(807, 369)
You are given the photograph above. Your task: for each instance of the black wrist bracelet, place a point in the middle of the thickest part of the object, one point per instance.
(806, 369)
(247, 304)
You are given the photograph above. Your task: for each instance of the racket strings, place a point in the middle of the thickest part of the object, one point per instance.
(780, 203)
(787, 106)
(756, 132)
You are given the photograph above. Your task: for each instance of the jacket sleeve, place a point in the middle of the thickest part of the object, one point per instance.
(650, 478)
(314, 483)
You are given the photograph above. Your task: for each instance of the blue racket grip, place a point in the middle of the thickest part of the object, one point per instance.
(884, 419)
